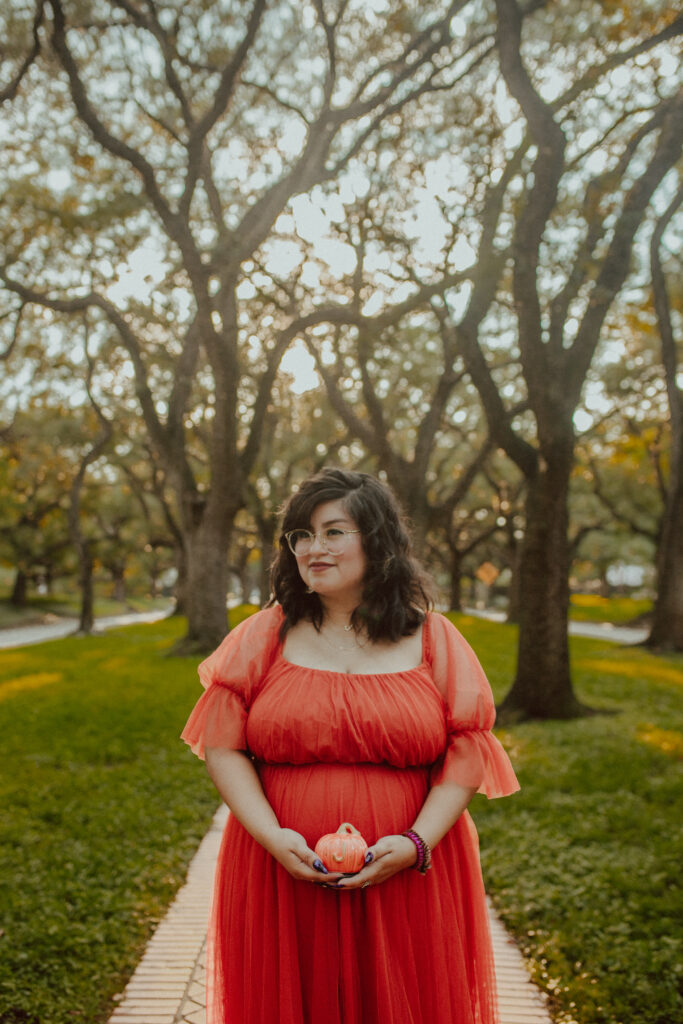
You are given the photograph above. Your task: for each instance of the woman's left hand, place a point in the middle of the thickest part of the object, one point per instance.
(390, 854)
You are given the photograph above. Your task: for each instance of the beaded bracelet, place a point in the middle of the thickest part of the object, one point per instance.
(424, 854)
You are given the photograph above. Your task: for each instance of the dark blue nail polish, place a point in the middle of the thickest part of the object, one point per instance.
(319, 866)
(369, 856)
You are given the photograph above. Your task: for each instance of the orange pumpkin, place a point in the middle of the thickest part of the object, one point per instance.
(343, 850)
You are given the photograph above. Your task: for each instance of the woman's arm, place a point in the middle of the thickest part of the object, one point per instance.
(237, 781)
(440, 811)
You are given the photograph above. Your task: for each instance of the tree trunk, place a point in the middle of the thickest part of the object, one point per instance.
(667, 625)
(87, 612)
(19, 590)
(206, 584)
(455, 600)
(543, 651)
(180, 585)
(118, 576)
(514, 589)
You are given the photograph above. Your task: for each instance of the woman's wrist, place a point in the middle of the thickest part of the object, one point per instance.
(423, 861)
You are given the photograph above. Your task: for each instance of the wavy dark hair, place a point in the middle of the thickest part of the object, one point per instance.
(396, 591)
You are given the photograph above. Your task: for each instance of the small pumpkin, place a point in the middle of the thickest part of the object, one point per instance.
(343, 850)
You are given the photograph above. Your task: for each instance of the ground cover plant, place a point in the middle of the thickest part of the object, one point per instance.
(103, 808)
(584, 863)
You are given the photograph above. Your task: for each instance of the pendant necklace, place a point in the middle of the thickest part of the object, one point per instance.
(343, 647)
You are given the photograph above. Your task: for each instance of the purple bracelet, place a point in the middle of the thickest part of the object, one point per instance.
(424, 854)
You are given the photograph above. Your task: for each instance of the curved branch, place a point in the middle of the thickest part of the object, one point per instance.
(201, 128)
(547, 171)
(617, 260)
(172, 223)
(4, 356)
(153, 26)
(11, 90)
(583, 263)
(94, 301)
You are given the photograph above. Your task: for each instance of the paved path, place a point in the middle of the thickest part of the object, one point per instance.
(599, 630)
(168, 986)
(24, 636)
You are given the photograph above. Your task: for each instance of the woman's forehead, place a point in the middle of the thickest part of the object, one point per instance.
(330, 513)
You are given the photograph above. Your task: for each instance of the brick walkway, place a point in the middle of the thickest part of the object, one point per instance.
(168, 986)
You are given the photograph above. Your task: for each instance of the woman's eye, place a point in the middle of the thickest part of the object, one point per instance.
(334, 532)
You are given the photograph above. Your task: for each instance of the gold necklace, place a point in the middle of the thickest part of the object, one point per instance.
(343, 647)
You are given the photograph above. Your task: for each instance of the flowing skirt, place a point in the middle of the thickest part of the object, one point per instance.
(413, 950)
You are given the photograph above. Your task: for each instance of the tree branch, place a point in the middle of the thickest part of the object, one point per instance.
(616, 263)
(173, 224)
(221, 99)
(11, 90)
(540, 201)
(666, 331)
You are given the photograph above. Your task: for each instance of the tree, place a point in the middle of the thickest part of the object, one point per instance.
(34, 479)
(559, 316)
(667, 625)
(194, 129)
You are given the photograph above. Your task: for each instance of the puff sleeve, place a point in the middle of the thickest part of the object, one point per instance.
(230, 677)
(473, 757)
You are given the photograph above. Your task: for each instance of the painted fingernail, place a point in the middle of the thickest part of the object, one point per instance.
(369, 856)
(319, 866)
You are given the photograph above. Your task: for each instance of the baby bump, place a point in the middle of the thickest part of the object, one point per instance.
(314, 799)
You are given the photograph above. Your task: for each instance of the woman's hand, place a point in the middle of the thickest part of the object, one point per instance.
(290, 849)
(388, 856)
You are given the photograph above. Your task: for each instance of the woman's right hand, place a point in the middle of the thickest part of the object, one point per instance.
(290, 849)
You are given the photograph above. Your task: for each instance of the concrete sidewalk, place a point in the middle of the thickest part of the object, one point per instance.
(598, 630)
(168, 986)
(41, 632)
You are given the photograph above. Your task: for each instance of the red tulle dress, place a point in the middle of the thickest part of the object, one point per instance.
(331, 747)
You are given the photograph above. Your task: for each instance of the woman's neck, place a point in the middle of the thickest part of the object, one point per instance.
(338, 613)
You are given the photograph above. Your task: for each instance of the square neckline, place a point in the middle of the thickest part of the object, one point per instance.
(423, 664)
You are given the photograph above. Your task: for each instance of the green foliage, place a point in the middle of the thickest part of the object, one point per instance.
(103, 811)
(584, 863)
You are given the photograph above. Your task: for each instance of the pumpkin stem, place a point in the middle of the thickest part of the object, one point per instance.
(346, 828)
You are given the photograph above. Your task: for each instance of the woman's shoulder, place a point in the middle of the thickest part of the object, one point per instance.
(271, 614)
(439, 626)
(258, 630)
(246, 650)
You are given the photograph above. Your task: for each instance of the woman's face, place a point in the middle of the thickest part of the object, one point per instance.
(335, 576)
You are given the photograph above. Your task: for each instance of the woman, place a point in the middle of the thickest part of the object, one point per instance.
(348, 701)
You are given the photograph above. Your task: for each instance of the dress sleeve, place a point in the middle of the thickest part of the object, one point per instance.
(473, 756)
(230, 677)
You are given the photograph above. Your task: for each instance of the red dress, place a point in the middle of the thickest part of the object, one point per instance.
(331, 747)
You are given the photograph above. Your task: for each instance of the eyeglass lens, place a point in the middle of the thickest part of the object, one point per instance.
(301, 541)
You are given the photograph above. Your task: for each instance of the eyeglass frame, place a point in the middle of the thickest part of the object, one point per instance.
(314, 536)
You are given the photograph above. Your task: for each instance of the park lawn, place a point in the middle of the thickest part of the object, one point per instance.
(584, 863)
(103, 808)
(620, 611)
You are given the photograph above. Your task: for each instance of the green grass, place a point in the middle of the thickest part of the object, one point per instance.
(584, 863)
(103, 807)
(618, 610)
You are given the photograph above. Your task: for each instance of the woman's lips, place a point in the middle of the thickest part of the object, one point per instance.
(319, 566)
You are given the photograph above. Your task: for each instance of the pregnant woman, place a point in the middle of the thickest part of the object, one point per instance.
(348, 700)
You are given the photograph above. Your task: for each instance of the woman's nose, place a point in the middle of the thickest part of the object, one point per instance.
(317, 540)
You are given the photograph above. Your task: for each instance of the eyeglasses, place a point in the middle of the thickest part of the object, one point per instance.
(333, 540)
